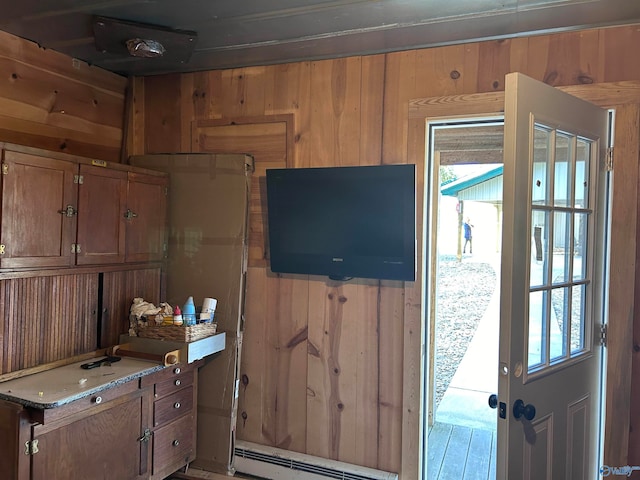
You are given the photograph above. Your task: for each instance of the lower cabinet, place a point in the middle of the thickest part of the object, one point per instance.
(143, 429)
(174, 418)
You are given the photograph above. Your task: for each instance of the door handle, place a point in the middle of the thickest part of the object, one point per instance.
(493, 400)
(527, 411)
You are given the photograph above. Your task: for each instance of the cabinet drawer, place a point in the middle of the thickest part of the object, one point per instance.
(180, 373)
(173, 445)
(48, 415)
(174, 384)
(173, 406)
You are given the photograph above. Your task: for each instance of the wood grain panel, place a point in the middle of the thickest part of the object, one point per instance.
(162, 128)
(49, 103)
(336, 105)
(269, 140)
(45, 319)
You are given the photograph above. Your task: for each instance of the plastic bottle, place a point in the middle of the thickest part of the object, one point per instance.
(189, 312)
(177, 316)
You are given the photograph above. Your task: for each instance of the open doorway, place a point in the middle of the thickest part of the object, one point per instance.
(465, 165)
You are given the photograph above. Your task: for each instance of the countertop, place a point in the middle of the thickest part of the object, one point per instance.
(62, 385)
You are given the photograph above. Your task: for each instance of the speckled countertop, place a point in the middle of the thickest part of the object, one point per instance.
(62, 385)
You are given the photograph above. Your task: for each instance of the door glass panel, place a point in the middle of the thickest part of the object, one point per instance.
(559, 322)
(558, 276)
(563, 172)
(537, 329)
(562, 248)
(539, 245)
(583, 154)
(580, 245)
(541, 159)
(578, 330)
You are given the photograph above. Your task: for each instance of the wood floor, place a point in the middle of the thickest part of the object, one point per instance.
(461, 453)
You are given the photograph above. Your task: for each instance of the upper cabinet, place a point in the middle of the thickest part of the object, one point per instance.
(38, 211)
(101, 215)
(60, 211)
(146, 217)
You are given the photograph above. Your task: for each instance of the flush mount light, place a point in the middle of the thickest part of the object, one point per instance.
(142, 41)
(144, 48)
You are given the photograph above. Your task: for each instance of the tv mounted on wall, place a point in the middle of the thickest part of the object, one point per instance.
(343, 222)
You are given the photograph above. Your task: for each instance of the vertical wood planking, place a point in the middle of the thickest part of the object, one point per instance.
(335, 104)
(163, 126)
(253, 371)
(47, 319)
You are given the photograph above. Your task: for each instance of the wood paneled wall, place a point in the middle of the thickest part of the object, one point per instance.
(50, 317)
(50, 101)
(324, 364)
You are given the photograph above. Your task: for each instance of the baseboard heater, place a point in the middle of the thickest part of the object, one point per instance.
(277, 464)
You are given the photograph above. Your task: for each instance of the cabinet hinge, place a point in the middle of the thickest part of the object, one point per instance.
(5, 168)
(609, 159)
(2, 248)
(79, 179)
(31, 447)
(603, 335)
(75, 248)
(166, 191)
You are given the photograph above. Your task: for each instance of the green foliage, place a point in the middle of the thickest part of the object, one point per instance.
(447, 175)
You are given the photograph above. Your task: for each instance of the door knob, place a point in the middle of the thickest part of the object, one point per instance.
(493, 400)
(527, 411)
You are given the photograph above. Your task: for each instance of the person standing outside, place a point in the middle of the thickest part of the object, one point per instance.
(468, 235)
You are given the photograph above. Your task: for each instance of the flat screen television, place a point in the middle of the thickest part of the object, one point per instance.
(343, 222)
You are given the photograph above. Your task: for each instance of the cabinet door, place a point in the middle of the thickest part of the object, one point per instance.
(101, 208)
(38, 211)
(102, 443)
(146, 217)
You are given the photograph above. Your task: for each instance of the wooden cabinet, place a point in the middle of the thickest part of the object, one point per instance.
(174, 418)
(146, 217)
(102, 203)
(141, 429)
(101, 442)
(38, 211)
(59, 210)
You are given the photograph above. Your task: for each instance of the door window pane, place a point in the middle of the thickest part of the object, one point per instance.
(541, 159)
(558, 326)
(563, 177)
(562, 248)
(583, 154)
(537, 329)
(580, 246)
(578, 330)
(539, 248)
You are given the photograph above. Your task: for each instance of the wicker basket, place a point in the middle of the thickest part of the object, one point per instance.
(178, 333)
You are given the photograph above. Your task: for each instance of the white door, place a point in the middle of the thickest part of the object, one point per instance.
(552, 284)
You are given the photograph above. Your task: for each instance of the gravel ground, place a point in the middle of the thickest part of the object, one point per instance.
(464, 291)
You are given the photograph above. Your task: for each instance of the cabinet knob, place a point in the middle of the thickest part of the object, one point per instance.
(177, 382)
(97, 400)
(176, 405)
(176, 443)
(177, 370)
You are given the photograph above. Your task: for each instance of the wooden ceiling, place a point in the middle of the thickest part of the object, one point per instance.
(220, 34)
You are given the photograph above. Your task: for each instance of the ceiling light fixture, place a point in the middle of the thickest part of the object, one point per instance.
(145, 48)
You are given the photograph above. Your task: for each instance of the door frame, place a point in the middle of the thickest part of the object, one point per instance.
(624, 97)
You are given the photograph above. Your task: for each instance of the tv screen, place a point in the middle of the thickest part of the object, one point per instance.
(343, 221)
